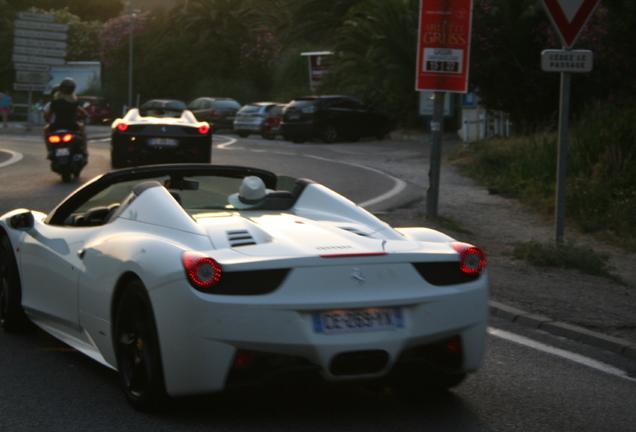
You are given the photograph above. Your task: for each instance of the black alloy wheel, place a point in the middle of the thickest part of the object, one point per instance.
(330, 134)
(12, 316)
(137, 350)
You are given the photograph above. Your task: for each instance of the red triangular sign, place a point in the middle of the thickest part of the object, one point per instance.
(569, 17)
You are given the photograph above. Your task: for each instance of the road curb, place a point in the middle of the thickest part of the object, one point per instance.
(613, 344)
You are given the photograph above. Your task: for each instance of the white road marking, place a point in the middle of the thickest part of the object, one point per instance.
(15, 157)
(577, 358)
(399, 186)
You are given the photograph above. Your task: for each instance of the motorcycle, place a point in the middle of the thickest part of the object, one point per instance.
(67, 158)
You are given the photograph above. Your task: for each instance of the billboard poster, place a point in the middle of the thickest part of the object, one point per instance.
(320, 63)
(444, 45)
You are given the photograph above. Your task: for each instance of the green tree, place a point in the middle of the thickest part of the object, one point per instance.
(86, 10)
(376, 56)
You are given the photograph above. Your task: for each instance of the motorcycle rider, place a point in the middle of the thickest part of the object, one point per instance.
(64, 111)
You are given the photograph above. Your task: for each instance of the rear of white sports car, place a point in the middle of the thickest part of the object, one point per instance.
(283, 295)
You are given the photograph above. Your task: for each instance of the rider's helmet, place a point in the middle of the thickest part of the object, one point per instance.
(67, 86)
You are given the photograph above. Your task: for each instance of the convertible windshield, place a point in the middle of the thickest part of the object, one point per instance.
(194, 193)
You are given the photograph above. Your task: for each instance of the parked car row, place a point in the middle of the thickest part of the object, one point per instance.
(162, 130)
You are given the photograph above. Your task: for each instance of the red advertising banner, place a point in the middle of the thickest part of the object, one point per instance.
(444, 45)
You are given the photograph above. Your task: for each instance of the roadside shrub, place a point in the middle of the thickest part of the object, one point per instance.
(601, 172)
(569, 255)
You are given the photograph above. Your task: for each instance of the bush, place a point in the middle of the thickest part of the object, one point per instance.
(601, 172)
(568, 255)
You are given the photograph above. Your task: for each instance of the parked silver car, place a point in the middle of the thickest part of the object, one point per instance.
(251, 118)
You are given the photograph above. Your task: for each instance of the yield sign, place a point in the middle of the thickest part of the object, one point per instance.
(569, 17)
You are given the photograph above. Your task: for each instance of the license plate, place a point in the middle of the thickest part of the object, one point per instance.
(361, 320)
(64, 151)
(163, 142)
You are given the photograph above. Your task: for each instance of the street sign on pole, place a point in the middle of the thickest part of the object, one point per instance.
(567, 61)
(39, 43)
(17, 49)
(37, 60)
(31, 87)
(442, 66)
(40, 34)
(31, 67)
(36, 25)
(569, 17)
(444, 45)
(36, 17)
(33, 77)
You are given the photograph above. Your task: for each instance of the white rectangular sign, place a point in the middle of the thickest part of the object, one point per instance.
(35, 25)
(566, 61)
(31, 67)
(19, 58)
(39, 43)
(36, 17)
(40, 34)
(31, 87)
(33, 77)
(39, 51)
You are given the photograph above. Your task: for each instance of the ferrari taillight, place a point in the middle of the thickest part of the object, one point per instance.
(122, 126)
(204, 129)
(202, 272)
(472, 259)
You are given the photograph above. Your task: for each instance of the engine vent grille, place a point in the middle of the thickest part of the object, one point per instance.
(238, 238)
(354, 231)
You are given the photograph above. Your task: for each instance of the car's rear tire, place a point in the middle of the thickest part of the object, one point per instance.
(137, 350)
(12, 316)
(330, 134)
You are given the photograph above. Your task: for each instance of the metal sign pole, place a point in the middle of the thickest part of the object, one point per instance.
(562, 160)
(437, 136)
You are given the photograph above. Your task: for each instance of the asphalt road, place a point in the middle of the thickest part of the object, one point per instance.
(530, 381)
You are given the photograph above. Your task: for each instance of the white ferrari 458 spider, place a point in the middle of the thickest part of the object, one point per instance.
(191, 279)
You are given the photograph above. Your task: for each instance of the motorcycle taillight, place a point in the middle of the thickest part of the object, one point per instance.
(55, 139)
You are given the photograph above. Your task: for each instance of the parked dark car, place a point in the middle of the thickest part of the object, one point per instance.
(331, 118)
(271, 127)
(98, 109)
(218, 111)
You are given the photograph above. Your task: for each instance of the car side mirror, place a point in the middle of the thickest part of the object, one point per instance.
(22, 221)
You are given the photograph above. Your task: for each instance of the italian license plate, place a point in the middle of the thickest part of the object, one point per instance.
(163, 142)
(64, 151)
(361, 320)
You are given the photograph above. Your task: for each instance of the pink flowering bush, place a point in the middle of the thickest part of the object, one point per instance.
(115, 36)
(262, 53)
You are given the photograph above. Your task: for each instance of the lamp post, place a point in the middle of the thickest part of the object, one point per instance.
(133, 15)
